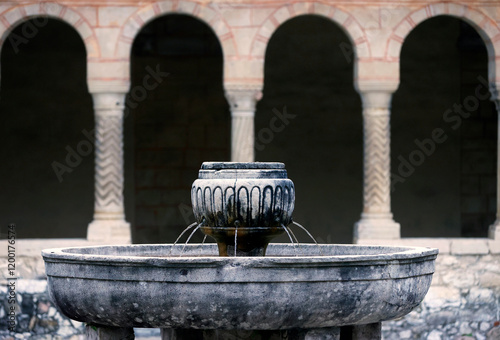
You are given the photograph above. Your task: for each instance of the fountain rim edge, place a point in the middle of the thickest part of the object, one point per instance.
(408, 253)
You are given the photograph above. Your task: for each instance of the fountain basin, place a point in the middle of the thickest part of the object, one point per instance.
(140, 286)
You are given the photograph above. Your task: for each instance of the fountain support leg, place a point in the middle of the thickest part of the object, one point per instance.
(108, 333)
(371, 331)
(332, 333)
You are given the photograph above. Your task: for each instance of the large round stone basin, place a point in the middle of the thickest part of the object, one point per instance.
(144, 286)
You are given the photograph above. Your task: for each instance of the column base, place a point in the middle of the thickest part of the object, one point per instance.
(494, 231)
(375, 226)
(109, 231)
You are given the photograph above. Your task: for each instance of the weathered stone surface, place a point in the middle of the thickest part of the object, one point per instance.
(35, 317)
(493, 334)
(464, 301)
(442, 296)
(243, 205)
(141, 286)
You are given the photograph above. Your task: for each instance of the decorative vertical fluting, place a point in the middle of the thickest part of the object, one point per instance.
(109, 223)
(376, 220)
(494, 231)
(242, 100)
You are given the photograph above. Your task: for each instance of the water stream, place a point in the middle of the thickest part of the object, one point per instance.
(291, 235)
(288, 231)
(190, 235)
(308, 233)
(183, 232)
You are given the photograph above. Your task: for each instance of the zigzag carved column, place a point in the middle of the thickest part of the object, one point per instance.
(109, 223)
(376, 220)
(242, 100)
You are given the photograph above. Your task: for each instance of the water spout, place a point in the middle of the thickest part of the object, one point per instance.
(178, 238)
(308, 233)
(288, 231)
(190, 235)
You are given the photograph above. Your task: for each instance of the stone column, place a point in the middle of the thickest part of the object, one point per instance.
(242, 100)
(109, 223)
(376, 220)
(494, 231)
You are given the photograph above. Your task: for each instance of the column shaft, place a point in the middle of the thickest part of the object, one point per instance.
(376, 220)
(109, 217)
(242, 101)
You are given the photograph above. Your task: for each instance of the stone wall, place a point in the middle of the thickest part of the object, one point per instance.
(463, 301)
(36, 317)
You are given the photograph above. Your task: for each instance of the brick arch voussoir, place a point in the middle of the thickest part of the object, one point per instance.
(18, 15)
(485, 26)
(148, 13)
(345, 20)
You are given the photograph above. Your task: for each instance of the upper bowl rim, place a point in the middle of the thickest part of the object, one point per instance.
(242, 165)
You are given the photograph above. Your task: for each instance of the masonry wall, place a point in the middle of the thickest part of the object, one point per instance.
(463, 300)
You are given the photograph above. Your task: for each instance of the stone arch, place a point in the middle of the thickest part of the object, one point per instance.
(205, 13)
(16, 15)
(484, 25)
(346, 21)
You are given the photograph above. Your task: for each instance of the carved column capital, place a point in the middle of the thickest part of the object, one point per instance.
(377, 101)
(242, 99)
(106, 103)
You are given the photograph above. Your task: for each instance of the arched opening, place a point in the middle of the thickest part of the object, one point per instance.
(444, 133)
(46, 129)
(179, 119)
(309, 88)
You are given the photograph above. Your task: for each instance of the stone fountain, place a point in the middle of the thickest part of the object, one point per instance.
(231, 290)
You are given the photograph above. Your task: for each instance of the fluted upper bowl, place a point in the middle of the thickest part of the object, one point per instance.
(243, 195)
